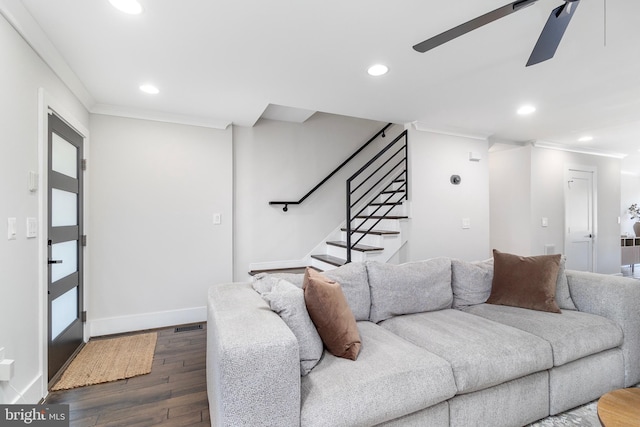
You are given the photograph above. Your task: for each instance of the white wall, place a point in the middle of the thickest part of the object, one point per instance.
(22, 295)
(154, 248)
(438, 207)
(536, 190)
(277, 160)
(510, 201)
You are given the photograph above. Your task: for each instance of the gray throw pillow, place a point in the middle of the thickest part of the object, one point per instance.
(563, 297)
(263, 282)
(471, 282)
(414, 287)
(287, 300)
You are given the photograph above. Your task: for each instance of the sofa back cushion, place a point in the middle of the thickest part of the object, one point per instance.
(353, 279)
(413, 287)
(471, 282)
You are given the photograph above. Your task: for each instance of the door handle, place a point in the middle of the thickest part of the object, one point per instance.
(54, 261)
(589, 236)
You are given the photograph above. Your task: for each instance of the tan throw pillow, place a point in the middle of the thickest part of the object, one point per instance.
(527, 282)
(331, 315)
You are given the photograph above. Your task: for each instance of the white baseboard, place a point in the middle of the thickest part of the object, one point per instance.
(140, 322)
(32, 394)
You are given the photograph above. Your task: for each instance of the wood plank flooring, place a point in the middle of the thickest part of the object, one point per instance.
(173, 394)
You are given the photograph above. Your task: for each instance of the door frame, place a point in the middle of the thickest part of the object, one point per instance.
(47, 102)
(594, 191)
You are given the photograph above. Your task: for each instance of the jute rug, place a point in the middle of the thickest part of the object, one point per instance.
(111, 359)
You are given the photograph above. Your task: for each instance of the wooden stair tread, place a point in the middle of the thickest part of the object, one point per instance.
(382, 217)
(386, 203)
(360, 248)
(330, 259)
(295, 270)
(376, 232)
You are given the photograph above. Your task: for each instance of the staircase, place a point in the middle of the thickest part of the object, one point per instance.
(376, 234)
(376, 206)
(377, 199)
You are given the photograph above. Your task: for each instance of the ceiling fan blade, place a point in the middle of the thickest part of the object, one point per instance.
(552, 33)
(472, 25)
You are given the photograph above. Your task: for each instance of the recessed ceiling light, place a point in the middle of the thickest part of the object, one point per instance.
(585, 138)
(377, 70)
(526, 109)
(150, 89)
(132, 7)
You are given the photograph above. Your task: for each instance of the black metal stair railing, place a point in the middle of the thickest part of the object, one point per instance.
(286, 204)
(385, 175)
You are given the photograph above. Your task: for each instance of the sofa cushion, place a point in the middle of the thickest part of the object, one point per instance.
(355, 286)
(563, 296)
(287, 300)
(471, 282)
(408, 288)
(390, 379)
(481, 352)
(527, 282)
(572, 336)
(331, 315)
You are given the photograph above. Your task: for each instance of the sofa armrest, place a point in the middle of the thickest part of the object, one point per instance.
(253, 366)
(618, 299)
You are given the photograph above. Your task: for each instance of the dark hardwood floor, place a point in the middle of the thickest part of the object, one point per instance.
(173, 394)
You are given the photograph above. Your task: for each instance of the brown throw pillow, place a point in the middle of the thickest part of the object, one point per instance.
(331, 315)
(527, 282)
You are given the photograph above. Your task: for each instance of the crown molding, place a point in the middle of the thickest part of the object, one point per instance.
(580, 150)
(157, 116)
(450, 132)
(22, 21)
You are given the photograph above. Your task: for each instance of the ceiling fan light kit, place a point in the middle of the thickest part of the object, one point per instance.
(546, 45)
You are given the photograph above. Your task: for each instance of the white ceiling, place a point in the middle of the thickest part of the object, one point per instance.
(225, 61)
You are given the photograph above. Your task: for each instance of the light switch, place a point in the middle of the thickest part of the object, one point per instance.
(217, 219)
(32, 228)
(466, 223)
(545, 222)
(11, 228)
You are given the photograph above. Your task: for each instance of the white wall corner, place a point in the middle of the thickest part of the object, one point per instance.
(156, 116)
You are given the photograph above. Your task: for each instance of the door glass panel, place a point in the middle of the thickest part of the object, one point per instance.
(64, 157)
(67, 252)
(64, 310)
(64, 208)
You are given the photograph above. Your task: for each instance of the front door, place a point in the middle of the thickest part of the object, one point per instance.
(579, 219)
(65, 287)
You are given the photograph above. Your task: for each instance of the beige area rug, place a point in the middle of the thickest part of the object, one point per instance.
(110, 359)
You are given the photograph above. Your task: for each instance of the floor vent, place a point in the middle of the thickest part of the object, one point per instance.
(188, 328)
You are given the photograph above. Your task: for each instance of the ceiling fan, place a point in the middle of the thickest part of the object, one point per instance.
(547, 43)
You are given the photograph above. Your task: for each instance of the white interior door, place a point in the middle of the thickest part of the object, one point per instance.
(579, 220)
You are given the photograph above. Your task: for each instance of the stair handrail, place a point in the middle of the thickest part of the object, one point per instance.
(404, 187)
(336, 170)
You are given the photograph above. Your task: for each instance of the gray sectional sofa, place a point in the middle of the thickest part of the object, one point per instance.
(433, 352)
